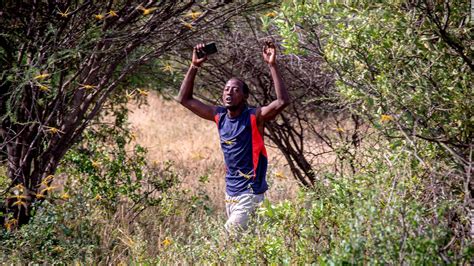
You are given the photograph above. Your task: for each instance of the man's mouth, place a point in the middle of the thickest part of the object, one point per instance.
(228, 99)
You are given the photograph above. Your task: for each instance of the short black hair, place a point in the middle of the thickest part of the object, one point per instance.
(245, 87)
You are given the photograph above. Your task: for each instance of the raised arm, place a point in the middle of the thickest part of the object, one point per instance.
(270, 111)
(185, 96)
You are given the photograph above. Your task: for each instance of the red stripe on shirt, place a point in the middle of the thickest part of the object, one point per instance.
(257, 143)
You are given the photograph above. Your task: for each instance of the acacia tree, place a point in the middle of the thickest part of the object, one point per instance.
(61, 60)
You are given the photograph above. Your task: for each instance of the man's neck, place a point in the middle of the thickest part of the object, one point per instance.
(236, 112)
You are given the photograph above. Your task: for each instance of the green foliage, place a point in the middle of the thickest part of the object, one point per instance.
(396, 63)
(61, 230)
(4, 181)
(377, 216)
(110, 167)
(101, 174)
(406, 68)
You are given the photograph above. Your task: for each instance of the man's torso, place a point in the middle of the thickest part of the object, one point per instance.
(244, 152)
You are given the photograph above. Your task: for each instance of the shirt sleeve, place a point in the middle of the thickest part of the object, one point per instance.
(217, 115)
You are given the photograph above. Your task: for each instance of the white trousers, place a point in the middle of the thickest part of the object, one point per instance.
(240, 208)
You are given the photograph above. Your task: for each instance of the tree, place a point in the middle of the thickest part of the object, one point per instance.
(60, 62)
(406, 68)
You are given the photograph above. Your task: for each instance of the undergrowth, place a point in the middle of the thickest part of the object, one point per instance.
(374, 217)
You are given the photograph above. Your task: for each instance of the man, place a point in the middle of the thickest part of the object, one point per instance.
(241, 134)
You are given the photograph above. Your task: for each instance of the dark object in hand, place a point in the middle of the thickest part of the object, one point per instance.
(268, 43)
(207, 50)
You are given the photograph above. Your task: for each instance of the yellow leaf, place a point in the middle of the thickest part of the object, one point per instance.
(99, 16)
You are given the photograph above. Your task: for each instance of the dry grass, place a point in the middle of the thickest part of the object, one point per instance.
(171, 132)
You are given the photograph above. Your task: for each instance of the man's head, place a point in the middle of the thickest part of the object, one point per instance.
(235, 94)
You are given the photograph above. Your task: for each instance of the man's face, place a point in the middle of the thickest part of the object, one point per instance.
(233, 95)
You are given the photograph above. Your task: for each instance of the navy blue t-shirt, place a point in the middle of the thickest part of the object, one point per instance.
(244, 152)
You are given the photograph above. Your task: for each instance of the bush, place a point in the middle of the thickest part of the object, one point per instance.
(61, 230)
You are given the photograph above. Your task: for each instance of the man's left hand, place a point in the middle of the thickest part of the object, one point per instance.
(269, 53)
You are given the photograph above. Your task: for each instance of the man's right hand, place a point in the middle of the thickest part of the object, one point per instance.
(198, 61)
(185, 96)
